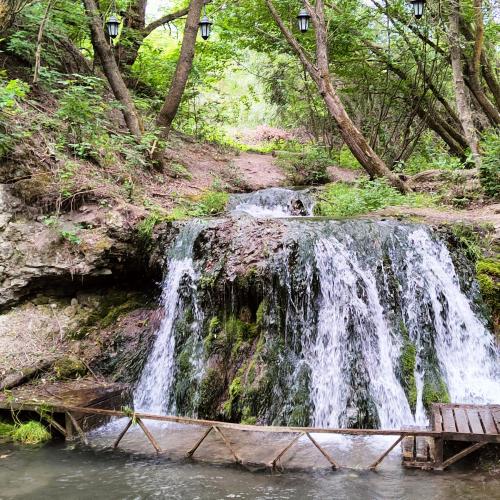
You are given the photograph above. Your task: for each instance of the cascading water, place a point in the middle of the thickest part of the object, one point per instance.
(347, 301)
(153, 392)
(272, 203)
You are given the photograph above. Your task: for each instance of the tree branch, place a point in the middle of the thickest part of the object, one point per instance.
(164, 20)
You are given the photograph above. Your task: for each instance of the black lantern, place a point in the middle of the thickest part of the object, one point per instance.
(205, 27)
(304, 19)
(418, 8)
(112, 26)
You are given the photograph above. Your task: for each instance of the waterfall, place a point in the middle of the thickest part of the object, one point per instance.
(153, 392)
(348, 300)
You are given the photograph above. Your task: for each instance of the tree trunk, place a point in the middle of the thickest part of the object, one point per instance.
(487, 70)
(184, 65)
(475, 68)
(463, 105)
(38, 51)
(320, 74)
(110, 68)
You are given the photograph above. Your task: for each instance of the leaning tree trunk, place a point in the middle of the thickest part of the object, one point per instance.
(320, 73)
(463, 105)
(110, 68)
(475, 68)
(184, 65)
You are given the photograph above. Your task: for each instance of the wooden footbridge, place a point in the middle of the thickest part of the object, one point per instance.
(473, 426)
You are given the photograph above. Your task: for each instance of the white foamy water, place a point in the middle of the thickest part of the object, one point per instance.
(465, 348)
(351, 328)
(272, 203)
(152, 393)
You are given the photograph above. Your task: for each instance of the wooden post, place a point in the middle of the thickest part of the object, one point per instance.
(122, 433)
(150, 437)
(462, 454)
(190, 453)
(228, 444)
(285, 449)
(334, 464)
(77, 427)
(438, 453)
(53, 423)
(373, 466)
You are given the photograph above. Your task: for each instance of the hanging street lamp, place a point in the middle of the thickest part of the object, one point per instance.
(303, 19)
(418, 8)
(205, 23)
(205, 27)
(112, 26)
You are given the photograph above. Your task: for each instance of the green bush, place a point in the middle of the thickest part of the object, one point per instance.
(489, 172)
(345, 200)
(306, 168)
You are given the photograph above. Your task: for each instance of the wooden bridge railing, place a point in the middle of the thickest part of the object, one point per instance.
(217, 427)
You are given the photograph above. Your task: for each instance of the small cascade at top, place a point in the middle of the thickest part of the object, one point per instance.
(272, 203)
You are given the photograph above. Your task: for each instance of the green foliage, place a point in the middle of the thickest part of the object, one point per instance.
(82, 109)
(208, 204)
(146, 227)
(308, 168)
(71, 236)
(31, 433)
(344, 200)
(6, 430)
(489, 172)
(12, 93)
(469, 240)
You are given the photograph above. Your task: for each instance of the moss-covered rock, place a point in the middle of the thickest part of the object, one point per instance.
(69, 368)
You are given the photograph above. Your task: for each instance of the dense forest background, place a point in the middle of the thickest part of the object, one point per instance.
(420, 93)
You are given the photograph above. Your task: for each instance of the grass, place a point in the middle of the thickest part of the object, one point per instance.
(31, 432)
(346, 200)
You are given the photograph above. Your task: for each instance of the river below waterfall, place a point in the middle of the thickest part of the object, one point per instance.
(57, 471)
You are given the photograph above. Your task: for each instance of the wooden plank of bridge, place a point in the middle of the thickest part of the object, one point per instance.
(373, 466)
(448, 420)
(461, 420)
(474, 421)
(77, 427)
(487, 419)
(237, 459)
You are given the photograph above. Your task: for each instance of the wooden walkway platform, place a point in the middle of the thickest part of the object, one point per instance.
(68, 412)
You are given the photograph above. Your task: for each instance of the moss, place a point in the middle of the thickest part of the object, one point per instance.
(116, 311)
(488, 277)
(69, 368)
(211, 390)
(230, 406)
(31, 433)
(261, 313)
(435, 391)
(408, 363)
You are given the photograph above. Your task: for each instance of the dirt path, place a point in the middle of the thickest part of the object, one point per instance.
(259, 171)
(489, 214)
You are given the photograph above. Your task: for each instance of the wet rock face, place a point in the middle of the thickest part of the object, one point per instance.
(89, 247)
